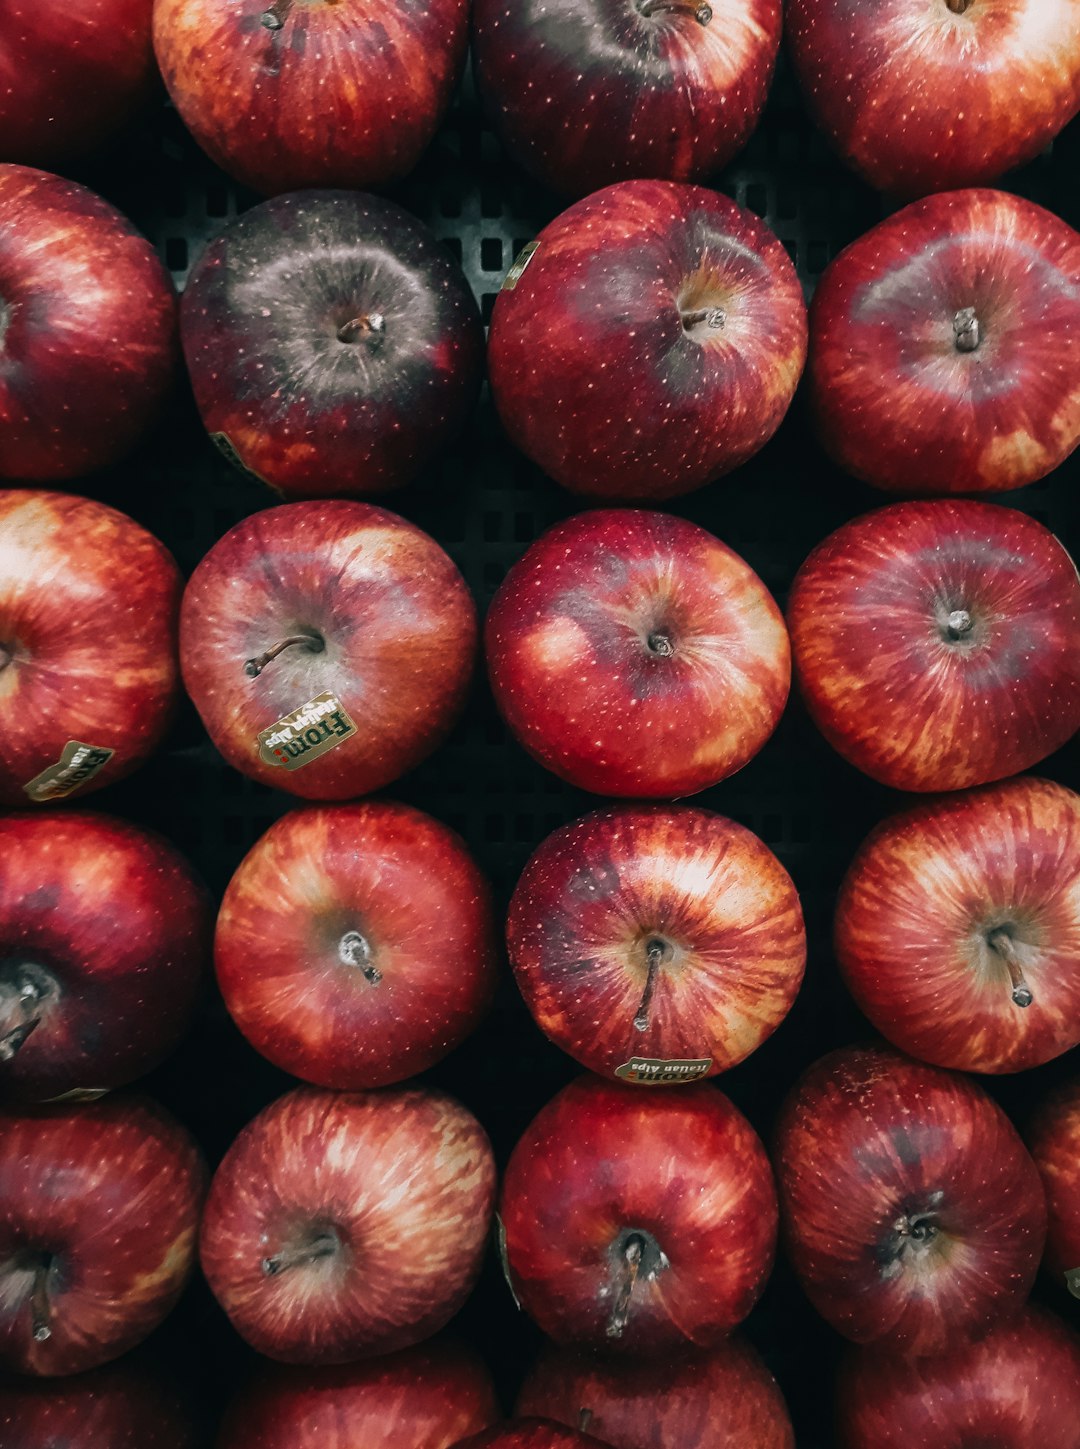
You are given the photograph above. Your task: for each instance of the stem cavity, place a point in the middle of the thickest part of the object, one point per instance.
(701, 13)
(354, 950)
(629, 1269)
(20, 1010)
(958, 6)
(1003, 944)
(322, 1245)
(660, 644)
(654, 954)
(370, 328)
(714, 317)
(966, 331)
(40, 1308)
(311, 642)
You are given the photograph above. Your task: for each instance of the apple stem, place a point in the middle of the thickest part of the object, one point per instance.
(312, 642)
(655, 956)
(23, 1010)
(353, 950)
(958, 6)
(701, 13)
(370, 327)
(660, 643)
(631, 1266)
(1001, 942)
(39, 1302)
(584, 1419)
(324, 1246)
(959, 624)
(1072, 1281)
(5, 656)
(965, 324)
(714, 317)
(276, 16)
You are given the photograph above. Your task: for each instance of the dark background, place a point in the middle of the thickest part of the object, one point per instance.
(484, 504)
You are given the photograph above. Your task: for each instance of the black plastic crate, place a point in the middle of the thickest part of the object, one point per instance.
(484, 503)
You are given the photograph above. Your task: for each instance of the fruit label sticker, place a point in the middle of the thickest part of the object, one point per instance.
(308, 732)
(224, 444)
(77, 765)
(658, 1073)
(500, 1243)
(1072, 1281)
(521, 261)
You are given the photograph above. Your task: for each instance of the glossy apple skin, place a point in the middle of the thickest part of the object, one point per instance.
(923, 903)
(572, 640)
(427, 1397)
(332, 894)
(370, 411)
(401, 1183)
(110, 1193)
(70, 76)
(347, 94)
(599, 892)
(118, 1407)
(397, 622)
(585, 95)
(918, 97)
(1054, 1141)
(884, 682)
(107, 929)
(725, 1399)
(597, 371)
(88, 625)
(605, 1162)
(529, 1434)
(1019, 1388)
(87, 329)
(898, 401)
(927, 1227)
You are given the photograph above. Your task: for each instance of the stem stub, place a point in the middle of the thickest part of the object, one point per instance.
(959, 625)
(966, 330)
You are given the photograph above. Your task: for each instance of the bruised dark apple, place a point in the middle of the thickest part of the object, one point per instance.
(333, 344)
(586, 94)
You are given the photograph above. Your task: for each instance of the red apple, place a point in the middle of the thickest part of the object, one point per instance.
(726, 1399)
(913, 1215)
(656, 943)
(422, 1398)
(937, 644)
(285, 95)
(99, 1208)
(378, 322)
(585, 96)
(104, 932)
(652, 342)
(529, 1434)
(1054, 1140)
(88, 669)
(343, 1226)
(1017, 1389)
(633, 653)
(119, 1407)
(355, 945)
(70, 76)
(926, 95)
(328, 647)
(638, 1222)
(958, 927)
(945, 344)
(87, 324)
